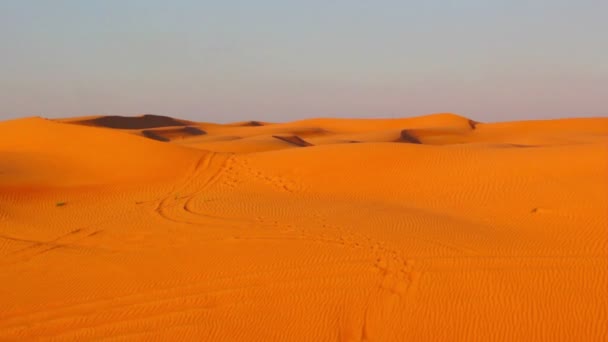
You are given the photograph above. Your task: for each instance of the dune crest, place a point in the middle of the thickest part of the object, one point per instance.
(128, 122)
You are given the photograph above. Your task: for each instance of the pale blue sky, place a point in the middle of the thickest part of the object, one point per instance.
(284, 60)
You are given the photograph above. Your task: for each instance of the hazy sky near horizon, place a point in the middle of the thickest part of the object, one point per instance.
(281, 60)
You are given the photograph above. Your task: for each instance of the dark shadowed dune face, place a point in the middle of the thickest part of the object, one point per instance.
(294, 140)
(190, 130)
(253, 124)
(127, 122)
(155, 136)
(510, 145)
(309, 132)
(408, 137)
(172, 133)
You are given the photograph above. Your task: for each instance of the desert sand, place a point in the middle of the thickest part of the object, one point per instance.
(415, 229)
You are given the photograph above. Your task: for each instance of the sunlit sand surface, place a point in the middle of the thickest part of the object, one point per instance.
(429, 228)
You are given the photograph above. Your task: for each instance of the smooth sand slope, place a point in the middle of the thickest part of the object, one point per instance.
(414, 229)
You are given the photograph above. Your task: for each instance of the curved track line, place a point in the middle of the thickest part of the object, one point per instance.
(204, 164)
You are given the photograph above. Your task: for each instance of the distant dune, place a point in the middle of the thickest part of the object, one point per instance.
(126, 122)
(436, 227)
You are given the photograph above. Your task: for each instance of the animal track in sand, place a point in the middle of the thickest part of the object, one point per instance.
(396, 271)
(398, 274)
(278, 182)
(397, 282)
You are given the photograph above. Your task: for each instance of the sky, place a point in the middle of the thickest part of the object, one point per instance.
(281, 60)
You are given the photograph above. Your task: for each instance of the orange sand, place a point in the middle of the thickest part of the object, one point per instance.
(428, 228)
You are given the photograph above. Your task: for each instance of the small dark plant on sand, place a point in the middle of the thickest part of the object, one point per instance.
(61, 204)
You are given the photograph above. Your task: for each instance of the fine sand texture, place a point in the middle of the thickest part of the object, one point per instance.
(432, 228)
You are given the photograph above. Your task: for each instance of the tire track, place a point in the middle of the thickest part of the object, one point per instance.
(69, 240)
(205, 164)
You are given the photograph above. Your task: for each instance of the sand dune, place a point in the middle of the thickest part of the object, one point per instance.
(39, 152)
(127, 122)
(430, 228)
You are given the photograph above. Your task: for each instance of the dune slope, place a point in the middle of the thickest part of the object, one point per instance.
(417, 229)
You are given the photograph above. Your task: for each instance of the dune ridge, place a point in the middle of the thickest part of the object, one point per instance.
(128, 122)
(411, 229)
